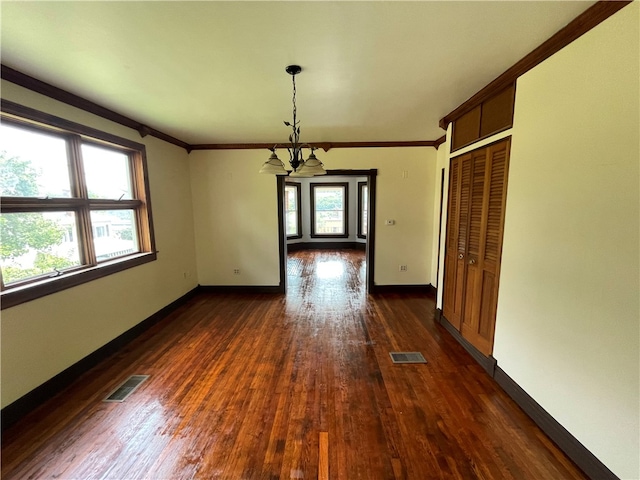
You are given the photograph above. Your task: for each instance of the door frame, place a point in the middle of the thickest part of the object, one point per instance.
(371, 225)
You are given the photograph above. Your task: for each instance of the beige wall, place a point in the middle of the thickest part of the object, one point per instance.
(235, 213)
(567, 329)
(43, 337)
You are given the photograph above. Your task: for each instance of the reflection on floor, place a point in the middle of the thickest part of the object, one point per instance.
(261, 386)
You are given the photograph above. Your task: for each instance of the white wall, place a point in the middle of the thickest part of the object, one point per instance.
(235, 211)
(567, 328)
(43, 337)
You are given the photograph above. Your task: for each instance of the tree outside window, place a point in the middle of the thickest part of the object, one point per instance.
(329, 210)
(71, 202)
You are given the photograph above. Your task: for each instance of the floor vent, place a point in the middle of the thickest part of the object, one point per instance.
(407, 357)
(126, 388)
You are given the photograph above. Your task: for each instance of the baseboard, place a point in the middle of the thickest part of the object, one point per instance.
(427, 289)
(25, 404)
(294, 247)
(569, 444)
(244, 289)
(488, 363)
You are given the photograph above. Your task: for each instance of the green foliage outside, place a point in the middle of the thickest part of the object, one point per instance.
(329, 201)
(125, 234)
(22, 232)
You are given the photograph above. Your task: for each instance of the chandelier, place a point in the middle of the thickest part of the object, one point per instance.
(301, 168)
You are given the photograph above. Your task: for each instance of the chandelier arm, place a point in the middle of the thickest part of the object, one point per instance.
(302, 168)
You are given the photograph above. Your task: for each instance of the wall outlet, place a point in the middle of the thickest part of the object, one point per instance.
(403, 268)
(236, 271)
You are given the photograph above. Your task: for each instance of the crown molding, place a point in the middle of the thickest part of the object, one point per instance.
(31, 83)
(580, 25)
(22, 79)
(326, 146)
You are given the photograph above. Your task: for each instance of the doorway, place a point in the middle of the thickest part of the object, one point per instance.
(370, 176)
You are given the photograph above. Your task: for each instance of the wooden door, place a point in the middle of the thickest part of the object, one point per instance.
(472, 263)
(486, 222)
(457, 226)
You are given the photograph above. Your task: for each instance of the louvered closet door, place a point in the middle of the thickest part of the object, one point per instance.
(457, 227)
(486, 221)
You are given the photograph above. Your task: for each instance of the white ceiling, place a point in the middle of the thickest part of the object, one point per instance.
(213, 72)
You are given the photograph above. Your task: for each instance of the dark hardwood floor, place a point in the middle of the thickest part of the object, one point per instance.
(296, 386)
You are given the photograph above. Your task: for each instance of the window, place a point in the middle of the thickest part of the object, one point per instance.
(74, 207)
(292, 197)
(363, 205)
(329, 209)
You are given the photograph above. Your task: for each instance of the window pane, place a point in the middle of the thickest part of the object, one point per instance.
(329, 204)
(329, 198)
(114, 233)
(291, 198)
(292, 223)
(291, 207)
(35, 244)
(363, 213)
(107, 173)
(32, 164)
(331, 222)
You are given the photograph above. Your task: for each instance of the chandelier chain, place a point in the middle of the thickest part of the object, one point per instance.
(293, 77)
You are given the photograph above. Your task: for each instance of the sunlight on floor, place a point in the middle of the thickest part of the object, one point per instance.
(330, 269)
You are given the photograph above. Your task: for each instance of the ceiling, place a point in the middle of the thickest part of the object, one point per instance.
(214, 72)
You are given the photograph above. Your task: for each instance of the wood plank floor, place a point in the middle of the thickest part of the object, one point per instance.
(280, 387)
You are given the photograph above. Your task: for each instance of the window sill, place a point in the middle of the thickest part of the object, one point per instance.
(329, 235)
(25, 293)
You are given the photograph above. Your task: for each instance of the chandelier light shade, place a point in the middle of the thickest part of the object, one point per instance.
(301, 167)
(274, 165)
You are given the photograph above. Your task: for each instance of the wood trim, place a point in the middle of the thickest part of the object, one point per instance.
(584, 22)
(89, 269)
(31, 118)
(353, 173)
(372, 179)
(242, 289)
(312, 187)
(64, 96)
(298, 188)
(32, 291)
(488, 363)
(51, 91)
(359, 232)
(294, 247)
(440, 141)
(569, 444)
(371, 234)
(326, 146)
(427, 289)
(25, 404)
(282, 241)
(442, 186)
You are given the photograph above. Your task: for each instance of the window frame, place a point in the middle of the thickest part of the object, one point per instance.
(362, 233)
(312, 188)
(298, 189)
(75, 135)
